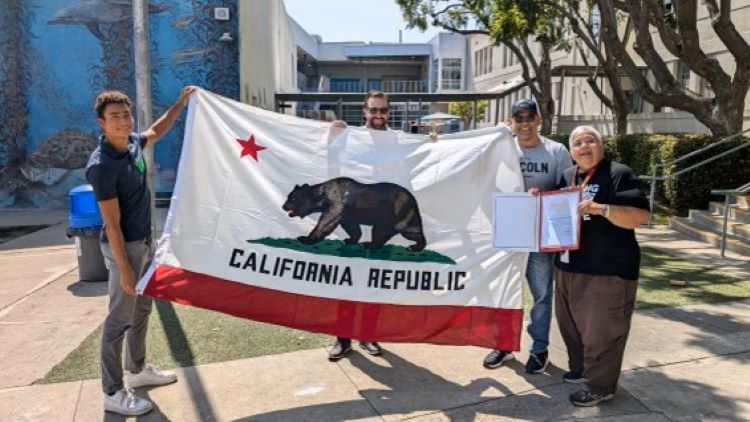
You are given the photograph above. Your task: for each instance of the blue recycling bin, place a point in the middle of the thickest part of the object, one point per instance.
(84, 212)
(85, 224)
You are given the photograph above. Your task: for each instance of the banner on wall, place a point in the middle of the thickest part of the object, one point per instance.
(373, 235)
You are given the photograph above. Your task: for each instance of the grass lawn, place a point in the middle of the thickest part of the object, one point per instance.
(198, 336)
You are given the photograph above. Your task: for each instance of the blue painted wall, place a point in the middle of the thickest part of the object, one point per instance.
(57, 55)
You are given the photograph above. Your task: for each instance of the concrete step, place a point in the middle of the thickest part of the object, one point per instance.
(736, 211)
(691, 228)
(715, 222)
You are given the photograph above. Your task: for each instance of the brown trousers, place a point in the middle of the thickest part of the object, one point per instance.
(594, 313)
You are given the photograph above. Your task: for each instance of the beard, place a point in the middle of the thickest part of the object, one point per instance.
(377, 123)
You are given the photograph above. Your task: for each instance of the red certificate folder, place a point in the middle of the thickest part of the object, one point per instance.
(521, 224)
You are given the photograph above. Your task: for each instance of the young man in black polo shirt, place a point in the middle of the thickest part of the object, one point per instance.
(117, 171)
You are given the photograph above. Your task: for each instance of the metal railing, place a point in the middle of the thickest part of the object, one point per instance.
(405, 86)
(740, 191)
(654, 178)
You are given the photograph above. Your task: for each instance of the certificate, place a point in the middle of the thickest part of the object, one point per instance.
(545, 223)
(515, 224)
(560, 224)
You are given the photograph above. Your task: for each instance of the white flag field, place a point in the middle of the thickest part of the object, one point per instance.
(372, 235)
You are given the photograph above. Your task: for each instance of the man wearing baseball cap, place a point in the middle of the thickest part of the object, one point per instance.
(542, 163)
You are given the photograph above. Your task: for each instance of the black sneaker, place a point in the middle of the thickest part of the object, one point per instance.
(537, 363)
(339, 349)
(585, 398)
(574, 377)
(371, 348)
(496, 358)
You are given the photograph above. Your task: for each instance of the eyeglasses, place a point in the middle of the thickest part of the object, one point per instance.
(588, 141)
(524, 119)
(376, 110)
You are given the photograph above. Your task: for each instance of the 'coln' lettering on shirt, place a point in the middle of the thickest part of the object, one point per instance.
(542, 166)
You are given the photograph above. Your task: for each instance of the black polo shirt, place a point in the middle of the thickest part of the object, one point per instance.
(122, 175)
(606, 249)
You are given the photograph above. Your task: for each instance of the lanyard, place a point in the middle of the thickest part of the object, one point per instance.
(589, 175)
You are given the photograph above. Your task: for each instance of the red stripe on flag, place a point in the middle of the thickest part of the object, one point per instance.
(439, 324)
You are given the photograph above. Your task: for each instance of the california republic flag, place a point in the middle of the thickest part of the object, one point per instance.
(372, 235)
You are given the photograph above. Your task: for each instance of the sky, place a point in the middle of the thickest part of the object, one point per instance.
(354, 20)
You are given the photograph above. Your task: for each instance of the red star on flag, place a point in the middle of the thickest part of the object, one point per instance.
(250, 148)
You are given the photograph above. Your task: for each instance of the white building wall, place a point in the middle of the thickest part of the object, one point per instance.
(267, 52)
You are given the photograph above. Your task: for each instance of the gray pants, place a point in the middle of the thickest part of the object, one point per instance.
(127, 317)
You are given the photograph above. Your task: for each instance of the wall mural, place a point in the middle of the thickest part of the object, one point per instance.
(57, 55)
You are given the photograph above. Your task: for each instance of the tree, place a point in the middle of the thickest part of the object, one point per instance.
(465, 109)
(583, 20)
(723, 112)
(510, 23)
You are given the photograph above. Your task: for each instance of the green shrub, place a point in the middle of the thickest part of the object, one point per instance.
(691, 190)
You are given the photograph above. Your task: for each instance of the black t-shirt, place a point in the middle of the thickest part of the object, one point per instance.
(122, 175)
(605, 248)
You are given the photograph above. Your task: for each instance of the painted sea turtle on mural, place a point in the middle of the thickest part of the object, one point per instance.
(92, 13)
(66, 150)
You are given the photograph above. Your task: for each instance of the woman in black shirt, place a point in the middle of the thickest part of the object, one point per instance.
(596, 284)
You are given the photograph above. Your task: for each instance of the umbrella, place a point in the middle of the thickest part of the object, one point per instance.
(439, 116)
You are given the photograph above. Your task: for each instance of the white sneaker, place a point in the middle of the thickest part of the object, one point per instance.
(150, 375)
(126, 403)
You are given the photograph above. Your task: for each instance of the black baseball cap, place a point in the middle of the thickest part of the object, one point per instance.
(524, 105)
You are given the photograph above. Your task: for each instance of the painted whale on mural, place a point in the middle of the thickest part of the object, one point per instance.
(92, 13)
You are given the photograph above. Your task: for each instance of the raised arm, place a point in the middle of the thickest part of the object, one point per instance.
(162, 125)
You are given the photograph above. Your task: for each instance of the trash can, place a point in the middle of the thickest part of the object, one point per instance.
(85, 224)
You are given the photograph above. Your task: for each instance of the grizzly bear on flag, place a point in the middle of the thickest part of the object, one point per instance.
(388, 208)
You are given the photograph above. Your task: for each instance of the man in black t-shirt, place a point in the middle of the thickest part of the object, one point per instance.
(596, 285)
(117, 172)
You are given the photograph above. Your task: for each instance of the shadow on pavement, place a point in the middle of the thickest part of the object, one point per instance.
(181, 351)
(409, 389)
(723, 331)
(88, 288)
(680, 396)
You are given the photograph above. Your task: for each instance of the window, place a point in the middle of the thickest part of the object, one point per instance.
(346, 85)
(684, 75)
(451, 74)
(435, 65)
(483, 61)
(635, 102)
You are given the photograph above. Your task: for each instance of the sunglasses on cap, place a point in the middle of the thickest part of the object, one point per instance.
(376, 110)
(529, 118)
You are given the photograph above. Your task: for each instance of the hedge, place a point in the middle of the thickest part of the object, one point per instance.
(691, 190)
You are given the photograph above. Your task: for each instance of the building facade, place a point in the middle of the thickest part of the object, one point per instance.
(494, 66)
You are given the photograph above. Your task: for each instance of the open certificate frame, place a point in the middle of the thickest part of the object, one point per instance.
(548, 222)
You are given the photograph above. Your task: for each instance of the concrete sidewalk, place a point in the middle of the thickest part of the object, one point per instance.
(686, 363)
